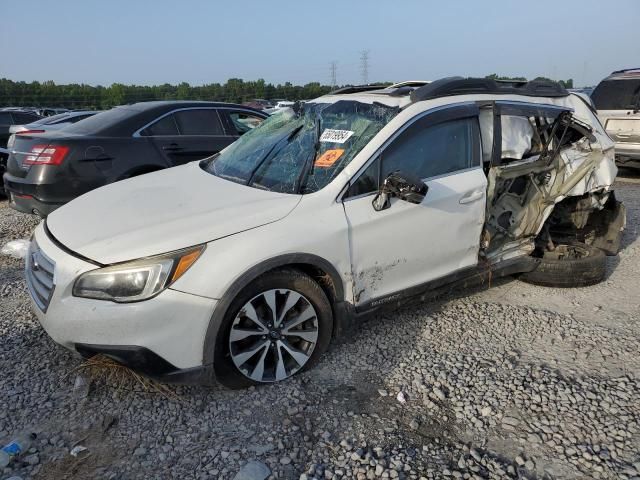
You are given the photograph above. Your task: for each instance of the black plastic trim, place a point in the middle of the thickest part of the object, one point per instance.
(147, 362)
(464, 278)
(508, 107)
(473, 86)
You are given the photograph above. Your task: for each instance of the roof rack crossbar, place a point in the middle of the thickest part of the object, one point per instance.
(472, 86)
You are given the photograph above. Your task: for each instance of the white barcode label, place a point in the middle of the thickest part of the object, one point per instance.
(335, 136)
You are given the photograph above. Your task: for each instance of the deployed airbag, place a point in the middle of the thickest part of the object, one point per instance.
(517, 134)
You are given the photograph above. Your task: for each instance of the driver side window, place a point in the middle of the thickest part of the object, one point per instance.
(424, 150)
(430, 151)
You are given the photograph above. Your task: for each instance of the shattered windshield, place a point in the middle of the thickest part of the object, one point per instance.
(300, 150)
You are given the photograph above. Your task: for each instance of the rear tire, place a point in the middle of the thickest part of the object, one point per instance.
(283, 348)
(569, 265)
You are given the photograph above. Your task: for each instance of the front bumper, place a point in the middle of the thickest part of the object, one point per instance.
(170, 327)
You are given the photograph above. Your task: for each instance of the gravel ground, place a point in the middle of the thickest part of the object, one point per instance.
(513, 382)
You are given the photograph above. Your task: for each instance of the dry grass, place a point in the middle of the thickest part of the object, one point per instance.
(106, 371)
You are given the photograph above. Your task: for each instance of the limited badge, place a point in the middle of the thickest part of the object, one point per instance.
(335, 136)
(328, 158)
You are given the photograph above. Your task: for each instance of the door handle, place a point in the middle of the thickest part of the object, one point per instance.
(172, 147)
(472, 197)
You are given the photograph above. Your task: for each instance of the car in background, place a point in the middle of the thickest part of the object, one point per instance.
(55, 122)
(8, 117)
(46, 170)
(258, 104)
(49, 112)
(13, 117)
(617, 99)
(20, 109)
(279, 106)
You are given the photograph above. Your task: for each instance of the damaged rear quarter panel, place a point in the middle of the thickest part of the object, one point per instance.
(522, 194)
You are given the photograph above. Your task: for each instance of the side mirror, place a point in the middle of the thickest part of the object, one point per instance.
(401, 185)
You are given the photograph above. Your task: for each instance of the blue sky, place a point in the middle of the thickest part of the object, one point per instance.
(150, 42)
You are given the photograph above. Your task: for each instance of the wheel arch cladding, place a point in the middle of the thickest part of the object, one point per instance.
(316, 267)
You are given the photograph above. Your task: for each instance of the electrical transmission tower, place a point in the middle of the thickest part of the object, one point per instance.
(364, 66)
(334, 69)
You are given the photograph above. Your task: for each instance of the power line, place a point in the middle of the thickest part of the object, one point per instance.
(364, 66)
(334, 68)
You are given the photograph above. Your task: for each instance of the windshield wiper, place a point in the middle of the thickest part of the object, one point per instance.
(206, 163)
(294, 133)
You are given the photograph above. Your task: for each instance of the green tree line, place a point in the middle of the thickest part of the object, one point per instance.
(235, 90)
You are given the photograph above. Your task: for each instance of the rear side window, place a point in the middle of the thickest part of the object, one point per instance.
(5, 118)
(24, 118)
(103, 121)
(77, 118)
(622, 94)
(164, 126)
(199, 122)
(429, 151)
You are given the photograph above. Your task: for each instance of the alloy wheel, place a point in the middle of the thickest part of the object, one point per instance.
(273, 335)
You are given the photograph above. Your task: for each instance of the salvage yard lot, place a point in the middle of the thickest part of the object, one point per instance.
(516, 381)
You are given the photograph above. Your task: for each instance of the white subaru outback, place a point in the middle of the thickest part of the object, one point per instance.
(241, 268)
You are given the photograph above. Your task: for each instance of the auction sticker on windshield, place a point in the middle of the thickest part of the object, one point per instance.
(335, 136)
(329, 157)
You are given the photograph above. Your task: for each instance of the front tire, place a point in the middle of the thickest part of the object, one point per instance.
(569, 265)
(277, 326)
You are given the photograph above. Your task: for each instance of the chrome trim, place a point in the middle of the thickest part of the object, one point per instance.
(136, 134)
(397, 133)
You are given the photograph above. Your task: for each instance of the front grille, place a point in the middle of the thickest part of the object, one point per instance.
(39, 273)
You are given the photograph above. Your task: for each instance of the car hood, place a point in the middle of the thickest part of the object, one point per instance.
(161, 212)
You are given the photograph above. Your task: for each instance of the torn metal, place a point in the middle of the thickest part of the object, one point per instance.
(542, 157)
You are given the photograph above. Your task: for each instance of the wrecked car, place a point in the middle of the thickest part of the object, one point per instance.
(242, 267)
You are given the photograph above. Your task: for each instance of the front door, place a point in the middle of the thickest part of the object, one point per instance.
(408, 245)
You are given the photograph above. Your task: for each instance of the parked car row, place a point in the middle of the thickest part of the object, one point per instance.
(45, 124)
(268, 106)
(48, 168)
(240, 268)
(8, 118)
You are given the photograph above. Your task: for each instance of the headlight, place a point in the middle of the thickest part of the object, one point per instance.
(137, 280)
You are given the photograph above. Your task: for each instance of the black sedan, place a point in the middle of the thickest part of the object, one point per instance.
(47, 170)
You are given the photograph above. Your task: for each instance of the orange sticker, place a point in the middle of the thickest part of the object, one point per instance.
(329, 157)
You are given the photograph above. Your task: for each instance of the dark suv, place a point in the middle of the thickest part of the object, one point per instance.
(617, 99)
(47, 170)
